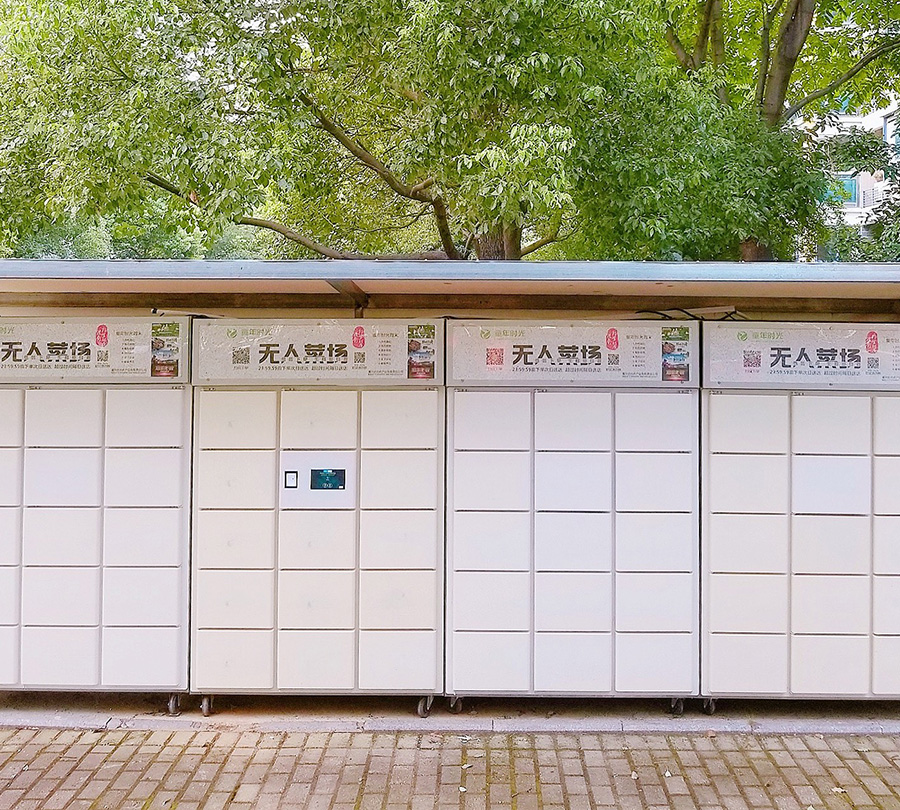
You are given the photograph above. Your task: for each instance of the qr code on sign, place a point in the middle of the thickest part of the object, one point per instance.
(103, 355)
(752, 359)
(872, 362)
(612, 359)
(495, 357)
(359, 357)
(240, 356)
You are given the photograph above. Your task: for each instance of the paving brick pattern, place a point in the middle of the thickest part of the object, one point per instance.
(165, 770)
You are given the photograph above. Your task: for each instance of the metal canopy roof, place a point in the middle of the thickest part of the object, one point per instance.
(443, 284)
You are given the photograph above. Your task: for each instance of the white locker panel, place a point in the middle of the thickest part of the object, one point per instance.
(492, 601)
(65, 657)
(573, 602)
(237, 420)
(398, 660)
(62, 536)
(398, 479)
(655, 422)
(745, 423)
(492, 481)
(818, 629)
(573, 662)
(317, 539)
(662, 603)
(566, 482)
(397, 600)
(831, 425)
(673, 657)
(142, 657)
(233, 659)
(494, 541)
(64, 418)
(886, 545)
(572, 421)
(10, 536)
(831, 544)
(9, 655)
(399, 419)
(236, 479)
(491, 420)
(66, 597)
(571, 541)
(101, 542)
(831, 485)
(886, 413)
(887, 493)
(324, 420)
(10, 476)
(748, 603)
(142, 597)
(576, 525)
(753, 484)
(747, 664)
(830, 665)
(144, 477)
(398, 539)
(885, 665)
(886, 606)
(145, 418)
(655, 542)
(235, 539)
(135, 537)
(316, 659)
(317, 600)
(320, 562)
(491, 662)
(12, 417)
(235, 599)
(655, 482)
(9, 595)
(752, 544)
(63, 477)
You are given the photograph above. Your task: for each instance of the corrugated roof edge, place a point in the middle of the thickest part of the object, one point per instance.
(445, 270)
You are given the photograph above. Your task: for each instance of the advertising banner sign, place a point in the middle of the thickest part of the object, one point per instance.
(802, 355)
(94, 350)
(334, 352)
(607, 353)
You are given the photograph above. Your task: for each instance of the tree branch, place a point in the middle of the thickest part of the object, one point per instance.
(701, 43)
(792, 34)
(368, 159)
(539, 243)
(845, 77)
(678, 49)
(289, 233)
(717, 35)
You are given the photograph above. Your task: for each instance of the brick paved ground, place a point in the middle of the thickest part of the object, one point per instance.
(146, 770)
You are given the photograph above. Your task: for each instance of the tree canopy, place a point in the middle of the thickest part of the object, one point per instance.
(431, 128)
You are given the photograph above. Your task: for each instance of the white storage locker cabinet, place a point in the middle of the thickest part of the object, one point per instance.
(318, 507)
(573, 539)
(801, 550)
(94, 483)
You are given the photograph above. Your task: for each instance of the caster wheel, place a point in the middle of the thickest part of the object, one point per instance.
(424, 707)
(709, 705)
(676, 706)
(206, 705)
(456, 705)
(174, 705)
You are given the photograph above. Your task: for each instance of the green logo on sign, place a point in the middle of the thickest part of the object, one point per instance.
(232, 333)
(742, 336)
(485, 334)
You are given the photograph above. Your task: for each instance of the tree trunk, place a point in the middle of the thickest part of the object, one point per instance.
(501, 242)
(752, 250)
